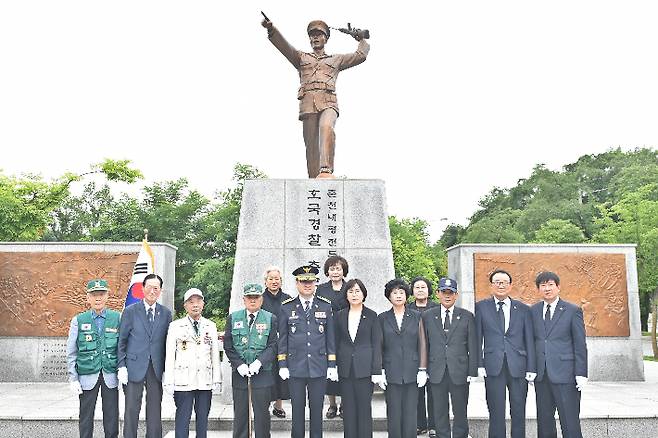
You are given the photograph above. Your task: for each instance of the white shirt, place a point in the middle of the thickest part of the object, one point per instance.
(443, 314)
(304, 300)
(399, 319)
(553, 307)
(353, 320)
(507, 303)
(255, 316)
(147, 307)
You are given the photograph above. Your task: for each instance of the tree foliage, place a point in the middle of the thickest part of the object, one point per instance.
(412, 253)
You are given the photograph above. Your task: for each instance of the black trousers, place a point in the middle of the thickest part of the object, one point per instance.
(133, 392)
(566, 398)
(458, 399)
(186, 400)
(316, 388)
(497, 388)
(425, 411)
(110, 398)
(401, 405)
(356, 399)
(260, 401)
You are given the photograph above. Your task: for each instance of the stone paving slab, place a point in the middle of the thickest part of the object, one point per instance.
(607, 409)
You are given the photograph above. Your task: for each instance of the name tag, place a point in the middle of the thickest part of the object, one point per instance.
(111, 330)
(320, 314)
(85, 327)
(238, 325)
(261, 327)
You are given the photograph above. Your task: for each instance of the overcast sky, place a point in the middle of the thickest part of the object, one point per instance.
(454, 99)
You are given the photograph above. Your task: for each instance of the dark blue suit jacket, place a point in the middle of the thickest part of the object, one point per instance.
(517, 343)
(139, 345)
(561, 346)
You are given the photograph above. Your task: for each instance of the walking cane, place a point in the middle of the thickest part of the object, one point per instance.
(249, 401)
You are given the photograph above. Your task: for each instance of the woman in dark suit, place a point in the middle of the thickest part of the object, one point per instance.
(404, 358)
(336, 269)
(359, 359)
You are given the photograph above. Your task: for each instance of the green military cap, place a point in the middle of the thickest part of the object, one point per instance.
(97, 285)
(252, 289)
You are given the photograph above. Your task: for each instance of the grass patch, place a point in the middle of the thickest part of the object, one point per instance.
(650, 358)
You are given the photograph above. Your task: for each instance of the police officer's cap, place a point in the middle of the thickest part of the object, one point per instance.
(97, 285)
(252, 289)
(306, 273)
(446, 284)
(318, 25)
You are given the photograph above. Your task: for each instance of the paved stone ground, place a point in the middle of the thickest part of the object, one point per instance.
(23, 406)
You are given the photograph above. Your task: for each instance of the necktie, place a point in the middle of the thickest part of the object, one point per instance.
(446, 321)
(547, 316)
(150, 315)
(251, 319)
(307, 309)
(195, 324)
(501, 316)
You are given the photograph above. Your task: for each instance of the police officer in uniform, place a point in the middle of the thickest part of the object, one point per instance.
(91, 356)
(192, 368)
(307, 350)
(250, 345)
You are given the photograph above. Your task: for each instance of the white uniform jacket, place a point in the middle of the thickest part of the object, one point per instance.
(192, 362)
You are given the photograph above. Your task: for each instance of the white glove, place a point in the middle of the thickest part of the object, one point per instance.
(122, 375)
(284, 373)
(332, 374)
(470, 379)
(75, 387)
(382, 381)
(254, 367)
(421, 378)
(217, 387)
(530, 377)
(581, 381)
(482, 372)
(243, 370)
(376, 378)
(169, 389)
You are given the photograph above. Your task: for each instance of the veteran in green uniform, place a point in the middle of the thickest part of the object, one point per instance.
(250, 343)
(91, 357)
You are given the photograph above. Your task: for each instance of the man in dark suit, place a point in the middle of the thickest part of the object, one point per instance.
(307, 350)
(505, 327)
(142, 340)
(453, 351)
(561, 352)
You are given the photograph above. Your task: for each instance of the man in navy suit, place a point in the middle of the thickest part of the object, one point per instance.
(561, 353)
(507, 360)
(141, 358)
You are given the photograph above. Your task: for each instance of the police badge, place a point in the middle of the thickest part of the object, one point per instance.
(293, 329)
(321, 328)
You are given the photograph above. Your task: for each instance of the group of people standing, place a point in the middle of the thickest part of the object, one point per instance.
(142, 348)
(423, 354)
(326, 342)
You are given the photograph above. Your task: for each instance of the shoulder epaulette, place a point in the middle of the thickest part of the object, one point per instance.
(287, 301)
(326, 300)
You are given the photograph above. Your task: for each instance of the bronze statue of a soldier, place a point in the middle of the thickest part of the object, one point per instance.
(318, 107)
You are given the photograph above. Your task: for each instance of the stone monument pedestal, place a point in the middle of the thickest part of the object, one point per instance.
(290, 223)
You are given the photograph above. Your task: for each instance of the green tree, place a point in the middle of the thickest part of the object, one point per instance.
(559, 231)
(26, 202)
(496, 227)
(412, 254)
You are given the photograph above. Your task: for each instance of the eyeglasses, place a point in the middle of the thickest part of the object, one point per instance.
(500, 283)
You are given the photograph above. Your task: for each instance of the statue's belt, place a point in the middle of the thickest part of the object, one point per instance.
(313, 86)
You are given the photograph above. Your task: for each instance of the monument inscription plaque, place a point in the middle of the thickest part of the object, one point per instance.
(41, 291)
(596, 282)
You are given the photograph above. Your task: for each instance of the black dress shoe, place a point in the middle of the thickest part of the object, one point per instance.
(331, 412)
(278, 412)
(420, 431)
(432, 433)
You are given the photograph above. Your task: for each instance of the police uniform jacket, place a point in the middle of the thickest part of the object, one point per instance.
(403, 349)
(455, 351)
(192, 361)
(266, 357)
(363, 356)
(306, 346)
(317, 74)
